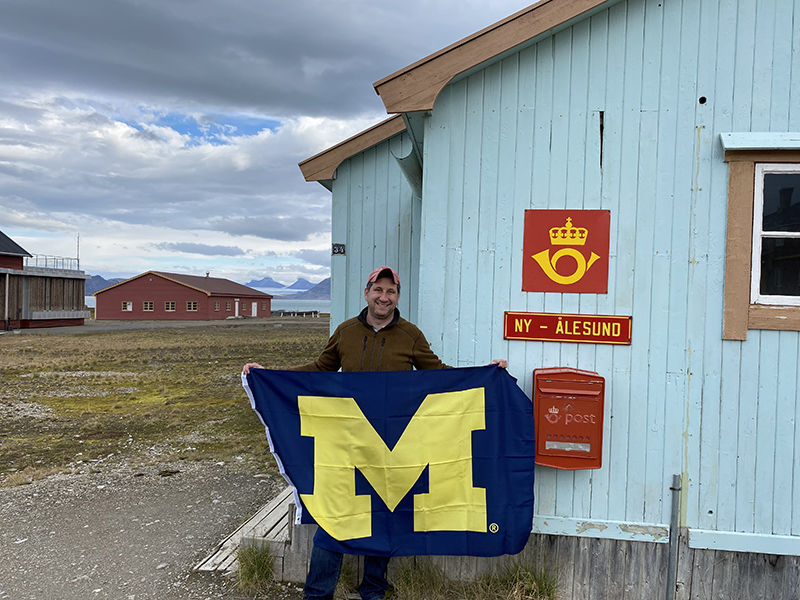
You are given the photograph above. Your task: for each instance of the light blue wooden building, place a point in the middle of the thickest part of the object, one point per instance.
(680, 117)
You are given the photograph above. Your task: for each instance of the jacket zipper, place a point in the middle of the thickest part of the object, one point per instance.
(371, 350)
(380, 353)
(363, 352)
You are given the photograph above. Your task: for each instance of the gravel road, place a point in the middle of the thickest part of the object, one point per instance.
(124, 534)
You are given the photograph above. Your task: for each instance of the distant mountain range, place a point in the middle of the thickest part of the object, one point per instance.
(321, 291)
(97, 283)
(266, 282)
(301, 284)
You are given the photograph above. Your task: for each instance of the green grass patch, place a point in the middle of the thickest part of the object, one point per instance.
(516, 580)
(147, 395)
(254, 575)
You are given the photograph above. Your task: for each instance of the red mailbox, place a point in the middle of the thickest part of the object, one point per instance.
(568, 405)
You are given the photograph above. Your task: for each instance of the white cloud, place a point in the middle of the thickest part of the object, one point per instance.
(151, 127)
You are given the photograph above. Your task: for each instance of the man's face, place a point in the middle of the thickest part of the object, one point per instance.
(382, 298)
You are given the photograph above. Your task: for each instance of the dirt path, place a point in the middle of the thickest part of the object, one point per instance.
(124, 534)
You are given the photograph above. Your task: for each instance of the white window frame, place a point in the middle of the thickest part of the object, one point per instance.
(756, 297)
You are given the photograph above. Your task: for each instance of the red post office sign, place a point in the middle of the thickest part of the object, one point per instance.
(566, 251)
(554, 327)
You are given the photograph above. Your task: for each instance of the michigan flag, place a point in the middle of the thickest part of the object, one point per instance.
(404, 463)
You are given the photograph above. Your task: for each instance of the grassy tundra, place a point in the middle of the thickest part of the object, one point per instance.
(74, 402)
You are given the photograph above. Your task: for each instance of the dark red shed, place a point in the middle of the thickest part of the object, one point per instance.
(171, 296)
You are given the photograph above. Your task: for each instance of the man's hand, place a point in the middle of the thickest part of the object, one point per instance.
(500, 362)
(248, 366)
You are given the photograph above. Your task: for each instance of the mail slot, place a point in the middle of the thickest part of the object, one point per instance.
(568, 405)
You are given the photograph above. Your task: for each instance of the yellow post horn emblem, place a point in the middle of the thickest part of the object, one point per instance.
(566, 236)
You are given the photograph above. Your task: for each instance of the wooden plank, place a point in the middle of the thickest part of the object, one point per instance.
(357, 268)
(634, 572)
(617, 370)
(786, 403)
(730, 399)
(747, 436)
(702, 574)
(766, 450)
(774, 318)
(537, 353)
(340, 234)
(582, 574)
(505, 230)
(738, 250)
(223, 555)
(557, 182)
(781, 63)
(654, 569)
(725, 572)
(757, 577)
(455, 116)
(791, 577)
(467, 240)
(763, 57)
(369, 212)
(566, 556)
(754, 156)
(433, 255)
(485, 318)
(522, 192)
(618, 555)
(602, 552)
(684, 571)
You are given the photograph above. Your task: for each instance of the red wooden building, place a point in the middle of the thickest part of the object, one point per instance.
(38, 290)
(170, 296)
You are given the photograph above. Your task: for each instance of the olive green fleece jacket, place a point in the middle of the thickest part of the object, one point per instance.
(356, 346)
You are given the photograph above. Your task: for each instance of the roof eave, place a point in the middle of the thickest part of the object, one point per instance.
(416, 87)
(322, 167)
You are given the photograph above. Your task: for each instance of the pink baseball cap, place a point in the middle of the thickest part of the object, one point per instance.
(380, 272)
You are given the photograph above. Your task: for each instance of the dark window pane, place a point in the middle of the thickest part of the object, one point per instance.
(781, 202)
(780, 267)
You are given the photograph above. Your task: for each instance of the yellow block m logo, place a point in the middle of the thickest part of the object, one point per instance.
(439, 436)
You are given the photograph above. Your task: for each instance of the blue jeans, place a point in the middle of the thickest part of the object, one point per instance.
(323, 575)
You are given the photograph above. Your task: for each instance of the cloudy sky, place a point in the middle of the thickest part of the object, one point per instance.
(166, 133)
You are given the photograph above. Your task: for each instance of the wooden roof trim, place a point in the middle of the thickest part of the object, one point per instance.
(416, 87)
(157, 274)
(322, 166)
(124, 281)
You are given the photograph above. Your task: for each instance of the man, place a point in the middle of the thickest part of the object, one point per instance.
(378, 339)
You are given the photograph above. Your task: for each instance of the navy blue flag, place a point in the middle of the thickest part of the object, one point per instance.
(404, 463)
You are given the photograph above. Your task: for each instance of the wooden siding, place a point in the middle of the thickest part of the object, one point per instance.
(15, 305)
(56, 293)
(664, 79)
(376, 216)
(597, 569)
(42, 301)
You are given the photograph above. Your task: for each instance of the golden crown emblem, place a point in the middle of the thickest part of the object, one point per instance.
(568, 235)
